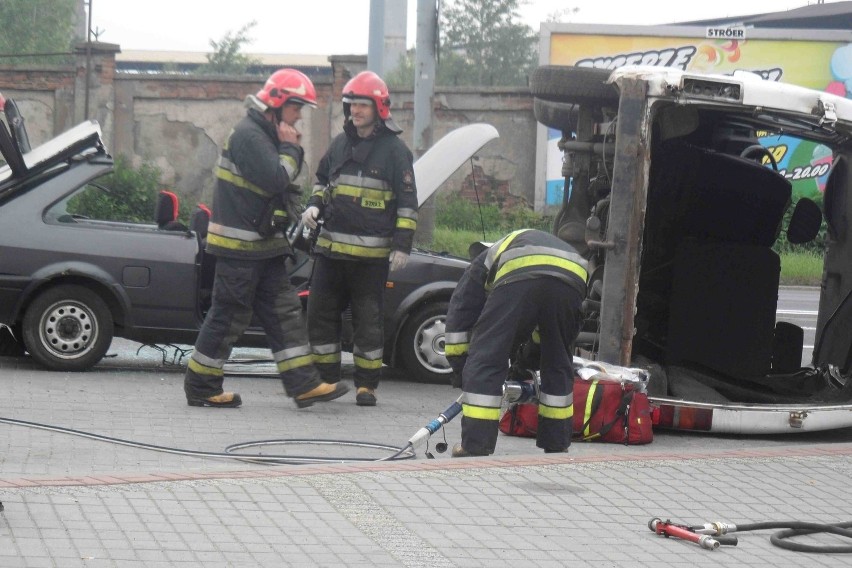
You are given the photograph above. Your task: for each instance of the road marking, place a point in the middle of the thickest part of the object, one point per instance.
(798, 312)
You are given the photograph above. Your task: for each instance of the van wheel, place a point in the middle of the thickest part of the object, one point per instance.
(568, 84)
(421, 344)
(68, 328)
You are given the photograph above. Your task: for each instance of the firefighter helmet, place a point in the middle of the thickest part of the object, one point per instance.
(366, 85)
(287, 86)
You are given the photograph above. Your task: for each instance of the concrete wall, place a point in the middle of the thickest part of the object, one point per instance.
(180, 122)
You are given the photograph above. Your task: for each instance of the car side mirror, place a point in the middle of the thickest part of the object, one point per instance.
(805, 222)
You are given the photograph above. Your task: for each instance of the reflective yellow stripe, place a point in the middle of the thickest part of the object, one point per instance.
(555, 412)
(540, 260)
(238, 181)
(452, 349)
(363, 192)
(197, 367)
(367, 363)
(481, 412)
(588, 413)
(403, 223)
(235, 244)
(536, 336)
(331, 358)
(354, 250)
(294, 363)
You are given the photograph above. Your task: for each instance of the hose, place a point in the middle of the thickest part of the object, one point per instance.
(793, 529)
(399, 453)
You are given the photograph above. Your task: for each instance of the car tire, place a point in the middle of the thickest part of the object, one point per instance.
(421, 344)
(560, 116)
(84, 336)
(567, 84)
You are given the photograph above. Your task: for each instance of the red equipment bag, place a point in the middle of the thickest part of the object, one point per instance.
(605, 410)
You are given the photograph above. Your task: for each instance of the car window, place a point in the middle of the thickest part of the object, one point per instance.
(100, 200)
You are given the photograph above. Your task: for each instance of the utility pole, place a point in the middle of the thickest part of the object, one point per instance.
(424, 89)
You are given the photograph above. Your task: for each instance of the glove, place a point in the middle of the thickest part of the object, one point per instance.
(398, 259)
(309, 217)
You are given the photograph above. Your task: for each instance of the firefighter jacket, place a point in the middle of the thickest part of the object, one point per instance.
(521, 255)
(253, 169)
(366, 194)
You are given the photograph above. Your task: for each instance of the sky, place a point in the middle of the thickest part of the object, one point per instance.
(329, 27)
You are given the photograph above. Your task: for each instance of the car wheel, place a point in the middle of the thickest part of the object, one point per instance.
(566, 84)
(68, 328)
(421, 344)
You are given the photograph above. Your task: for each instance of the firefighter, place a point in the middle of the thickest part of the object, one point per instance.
(254, 197)
(527, 281)
(366, 196)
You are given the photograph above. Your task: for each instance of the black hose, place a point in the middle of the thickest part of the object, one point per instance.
(400, 453)
(799, 528)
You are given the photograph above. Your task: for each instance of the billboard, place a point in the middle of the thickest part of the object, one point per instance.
(817, 59)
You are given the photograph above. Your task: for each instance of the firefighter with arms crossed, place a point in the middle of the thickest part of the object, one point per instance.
(253, 199)
(366, 196)
(528, 281)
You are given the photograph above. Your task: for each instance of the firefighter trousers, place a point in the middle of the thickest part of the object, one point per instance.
(511, 311)
(242, 288)
(338, 284)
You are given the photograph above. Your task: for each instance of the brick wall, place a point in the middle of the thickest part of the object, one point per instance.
(180, 122)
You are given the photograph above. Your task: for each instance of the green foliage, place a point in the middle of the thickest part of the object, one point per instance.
(481, 44)
(459, 214)
(128, 194)
(37, 26)
(801, 268)
(226, 58)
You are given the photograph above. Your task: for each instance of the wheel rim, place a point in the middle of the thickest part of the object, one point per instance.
(68, 329)
(429, 346)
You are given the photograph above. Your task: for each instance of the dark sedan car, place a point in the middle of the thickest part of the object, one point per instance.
(70, 282)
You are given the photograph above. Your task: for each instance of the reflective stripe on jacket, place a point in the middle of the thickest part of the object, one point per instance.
(253, 168)
(521, 255)
(366, 190)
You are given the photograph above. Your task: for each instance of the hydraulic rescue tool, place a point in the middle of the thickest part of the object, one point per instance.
(711, 535)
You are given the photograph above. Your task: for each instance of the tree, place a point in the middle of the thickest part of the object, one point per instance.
(483, 44)
(226, 58)
(35, 27)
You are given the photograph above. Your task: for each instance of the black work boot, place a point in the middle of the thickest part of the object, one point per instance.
(460, 452)
(224, 400)
(365, 397)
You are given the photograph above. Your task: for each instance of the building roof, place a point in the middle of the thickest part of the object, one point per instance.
(834, 16)
(151, 61)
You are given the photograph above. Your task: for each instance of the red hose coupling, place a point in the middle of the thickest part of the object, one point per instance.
(668, 529)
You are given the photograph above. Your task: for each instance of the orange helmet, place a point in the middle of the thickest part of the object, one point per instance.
(366, 85)
(287, 86)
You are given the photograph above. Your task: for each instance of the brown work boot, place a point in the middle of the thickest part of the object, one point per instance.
(365, 397)
(323, 393)
(224, 400)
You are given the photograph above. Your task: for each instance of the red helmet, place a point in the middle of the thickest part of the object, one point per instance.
(288, 86)
(366, 85)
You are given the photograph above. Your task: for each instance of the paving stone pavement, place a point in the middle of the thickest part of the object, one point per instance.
(72, 501)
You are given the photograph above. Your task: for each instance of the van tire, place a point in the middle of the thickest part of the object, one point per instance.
(568, 84)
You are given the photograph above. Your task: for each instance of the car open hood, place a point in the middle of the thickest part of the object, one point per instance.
(447, 155)
(19, 165)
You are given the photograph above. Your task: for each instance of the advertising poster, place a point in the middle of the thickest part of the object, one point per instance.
(809, 58)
